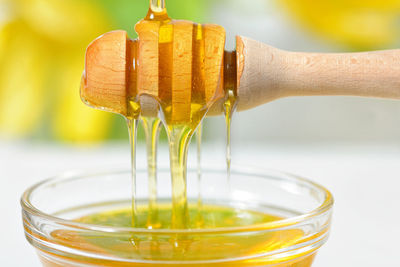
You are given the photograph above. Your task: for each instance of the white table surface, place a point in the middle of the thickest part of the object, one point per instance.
(365, 181)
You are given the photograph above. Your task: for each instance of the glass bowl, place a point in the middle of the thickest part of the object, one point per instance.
(51, 208)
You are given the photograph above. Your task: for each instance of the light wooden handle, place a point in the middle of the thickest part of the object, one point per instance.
(266, 73)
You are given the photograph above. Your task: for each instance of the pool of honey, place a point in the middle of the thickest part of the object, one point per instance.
(222, 248)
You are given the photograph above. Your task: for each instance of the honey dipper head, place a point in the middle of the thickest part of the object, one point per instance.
(178, 63)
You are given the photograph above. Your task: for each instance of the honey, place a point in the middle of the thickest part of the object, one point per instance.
(196, 249)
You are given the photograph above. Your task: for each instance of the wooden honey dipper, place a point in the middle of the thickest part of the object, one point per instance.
(118, 68)
(178, 63)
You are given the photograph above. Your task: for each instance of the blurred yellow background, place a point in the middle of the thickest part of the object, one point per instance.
(42, 46)
(357, 24)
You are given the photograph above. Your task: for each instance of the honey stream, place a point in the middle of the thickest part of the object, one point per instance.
(230, 85)
(199, 218)
(179, 118)
(152, 127)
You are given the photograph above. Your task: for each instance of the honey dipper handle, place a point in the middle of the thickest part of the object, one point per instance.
(266, 73)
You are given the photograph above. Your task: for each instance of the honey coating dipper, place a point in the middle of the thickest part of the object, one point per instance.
(179, 63)
(262, 73)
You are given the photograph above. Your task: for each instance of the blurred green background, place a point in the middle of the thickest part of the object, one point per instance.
(42, 46)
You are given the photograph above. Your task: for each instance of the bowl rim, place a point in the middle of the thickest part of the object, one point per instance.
(285, 223)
